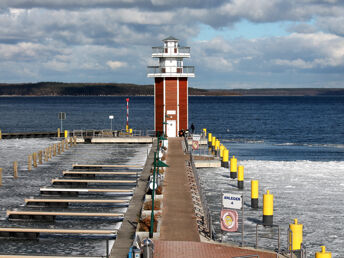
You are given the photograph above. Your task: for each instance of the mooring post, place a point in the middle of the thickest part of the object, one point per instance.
(46, 155)
(62, 146)
(58, 133)
(15, 169)
(54, 149)
(0, 135)
(40, 161)
(34, 157)
(74, 139)
(29, 163)
(59, 148)
(50, 151)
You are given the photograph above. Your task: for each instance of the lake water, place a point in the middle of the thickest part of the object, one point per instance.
(293, 145)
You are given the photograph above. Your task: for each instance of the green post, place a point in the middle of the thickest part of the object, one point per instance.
(153, 193)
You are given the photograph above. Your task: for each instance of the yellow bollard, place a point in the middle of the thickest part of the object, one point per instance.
(254, 194)
(268, 209)
(222, 148)
(295, 236)
(225, 157)
(234, 168)
(0, 135)
(323, 253)
(204, 132)
(217, 147)
(34, 158)
(40, 160)
(58, 132)
(0, 176)
(66, 133)
(131, 131)
(29, 163)
(241, 177)
(15, 169)
(209, 139)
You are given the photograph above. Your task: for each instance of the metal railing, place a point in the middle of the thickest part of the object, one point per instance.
(112, 133)
(177, 50)
(201, 193)
(158, 69)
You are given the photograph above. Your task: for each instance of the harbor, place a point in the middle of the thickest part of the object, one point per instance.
(239, 184)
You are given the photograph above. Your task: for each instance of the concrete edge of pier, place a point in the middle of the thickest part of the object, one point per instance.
(126, 233)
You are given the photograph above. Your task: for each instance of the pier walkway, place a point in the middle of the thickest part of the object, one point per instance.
(178, 216)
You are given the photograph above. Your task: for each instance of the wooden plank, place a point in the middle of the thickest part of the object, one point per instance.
(59, 231)
(77, 200)
(98, 173)
(92, 181)
(60, 213)
(105, 166)
(86, 190)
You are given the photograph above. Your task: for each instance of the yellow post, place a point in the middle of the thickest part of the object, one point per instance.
(0, 176)
(126, 128)
(29, 162)
(295, 236)
(66, 134)
(15, 169)
(241, 177)
(217, 147)
(40, 160)
(0, 135)
(58, 132)
(225, 157)
(34, 157)
(268, 209)
(205, 132)
(222, 148)
(234, 168)
(254, 194)
(323, 253)
(209, 139)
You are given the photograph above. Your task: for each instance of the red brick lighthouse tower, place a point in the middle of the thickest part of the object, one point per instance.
(170, 87)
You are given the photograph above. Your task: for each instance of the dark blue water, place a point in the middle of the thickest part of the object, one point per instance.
(272, 128)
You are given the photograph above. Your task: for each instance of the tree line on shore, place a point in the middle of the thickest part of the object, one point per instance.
(126, 89)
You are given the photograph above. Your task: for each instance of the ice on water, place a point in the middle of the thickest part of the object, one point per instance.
(310, 191)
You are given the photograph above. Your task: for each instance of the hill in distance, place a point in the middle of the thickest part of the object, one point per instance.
(124, 89)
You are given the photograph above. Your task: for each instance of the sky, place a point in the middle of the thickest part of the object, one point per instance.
(234, 43)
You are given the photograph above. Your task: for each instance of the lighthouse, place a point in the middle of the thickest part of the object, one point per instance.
(170, 87)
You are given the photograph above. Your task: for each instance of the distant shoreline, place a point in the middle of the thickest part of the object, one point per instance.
(51, 89)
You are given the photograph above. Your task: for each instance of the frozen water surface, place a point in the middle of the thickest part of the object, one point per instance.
(14, 191)
(311, 191)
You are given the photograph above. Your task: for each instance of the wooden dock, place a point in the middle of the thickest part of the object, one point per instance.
(53, 181)
(76, 200)
(61, 213)
(98, 173)
(82, 190)
(81, 166)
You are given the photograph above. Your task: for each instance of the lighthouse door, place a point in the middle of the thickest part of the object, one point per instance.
(171, 128)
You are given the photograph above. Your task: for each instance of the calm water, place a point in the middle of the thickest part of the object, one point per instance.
(274, 128)
(293, 145)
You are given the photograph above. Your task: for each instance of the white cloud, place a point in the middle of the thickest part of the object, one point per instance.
(114, 65)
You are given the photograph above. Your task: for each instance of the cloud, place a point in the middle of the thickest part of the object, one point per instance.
(114, 65)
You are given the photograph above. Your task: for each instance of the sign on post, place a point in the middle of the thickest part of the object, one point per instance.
(195, 141)
(229, 220)
(62, 116)
(232, 201)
